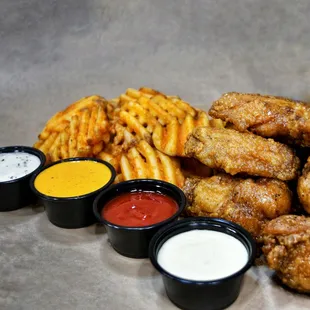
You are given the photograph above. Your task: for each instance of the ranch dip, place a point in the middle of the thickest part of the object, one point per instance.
(202, 255)
(16, 165)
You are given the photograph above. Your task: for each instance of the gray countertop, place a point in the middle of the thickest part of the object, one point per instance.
(54, 52)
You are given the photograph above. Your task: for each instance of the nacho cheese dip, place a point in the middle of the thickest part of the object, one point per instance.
(16, 165)
(72, 178)
(202, 255)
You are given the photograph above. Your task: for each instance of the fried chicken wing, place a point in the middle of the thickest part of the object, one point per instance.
(242, 153)
(267, 116)
(303, 187)
(248, 202)
(287, 250)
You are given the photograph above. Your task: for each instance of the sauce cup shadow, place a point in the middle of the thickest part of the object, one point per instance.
(97, 229)
(276, 281)
(22, 215)
(249, 292)
(119, 264)
(70, 237)
(153, 284)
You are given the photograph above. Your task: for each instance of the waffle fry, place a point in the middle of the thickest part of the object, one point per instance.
(112, 154)
(133, 94)
(144, 161)
(64, 144)
(113, 105)
(113, 160)
(45, 145)
(133, 125)
(61, 119)
(97, 148)
(170, 104)
(84, 135)
(140, 111)
(171, 139)
(53, 153)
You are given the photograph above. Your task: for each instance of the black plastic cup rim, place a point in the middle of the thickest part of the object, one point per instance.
(26, 149)
(51, 198)
(159, 183)
(194, 223)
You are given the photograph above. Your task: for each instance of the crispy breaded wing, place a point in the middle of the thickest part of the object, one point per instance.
(303, 187)
(250, 203)
(268, 116)
(207, 195)
(287, 250)
(242, 153)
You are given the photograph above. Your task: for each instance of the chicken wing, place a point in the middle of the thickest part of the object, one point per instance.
(303, 187)
(267, 116)
(248, 202)
(242, 153)
(287, 250)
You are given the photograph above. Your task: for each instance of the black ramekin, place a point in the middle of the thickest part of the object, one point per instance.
(134, 241)
(202, 295)
(15, 194)
(71, 212)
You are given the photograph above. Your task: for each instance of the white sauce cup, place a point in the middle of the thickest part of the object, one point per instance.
(16, 193)
(202, 294)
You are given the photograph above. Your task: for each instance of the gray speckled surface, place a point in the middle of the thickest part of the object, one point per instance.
(54, 52)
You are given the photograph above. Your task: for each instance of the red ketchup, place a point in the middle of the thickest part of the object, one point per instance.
(139, 209)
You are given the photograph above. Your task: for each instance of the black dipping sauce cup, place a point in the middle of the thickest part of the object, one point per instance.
(15, 194)
(134, 241)
(71, 212)
(202, 295)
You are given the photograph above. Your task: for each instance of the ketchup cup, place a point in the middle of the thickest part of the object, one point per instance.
(134, 241)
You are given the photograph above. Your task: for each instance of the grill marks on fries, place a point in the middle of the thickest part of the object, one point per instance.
(144, 161)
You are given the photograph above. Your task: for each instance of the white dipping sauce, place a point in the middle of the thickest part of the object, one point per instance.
(16, 165)
(202, 255)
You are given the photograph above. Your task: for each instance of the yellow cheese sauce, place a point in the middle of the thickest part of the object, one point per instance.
(72, 178)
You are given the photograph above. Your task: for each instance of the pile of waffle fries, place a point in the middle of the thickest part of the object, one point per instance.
(141, 133)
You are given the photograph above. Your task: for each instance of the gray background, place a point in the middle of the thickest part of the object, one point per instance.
(54, 52)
